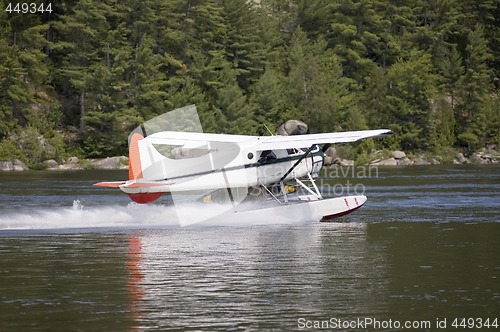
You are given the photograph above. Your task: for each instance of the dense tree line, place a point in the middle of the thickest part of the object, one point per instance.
(79, 78)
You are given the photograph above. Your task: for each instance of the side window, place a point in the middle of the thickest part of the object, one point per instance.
(266, 155)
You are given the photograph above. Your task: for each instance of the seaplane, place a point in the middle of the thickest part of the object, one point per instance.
(249, 176)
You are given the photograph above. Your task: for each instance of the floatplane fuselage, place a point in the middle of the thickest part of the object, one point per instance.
(171, 161)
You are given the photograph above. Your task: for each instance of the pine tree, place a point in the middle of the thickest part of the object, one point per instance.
(356, 35)
(411, 91)
(475, 89)
(243, 43)
(80, 35)
(316, 89)
(452, 71)
(23, 73)
(268, 97)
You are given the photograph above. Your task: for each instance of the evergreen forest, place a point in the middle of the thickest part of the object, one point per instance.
(76, 80)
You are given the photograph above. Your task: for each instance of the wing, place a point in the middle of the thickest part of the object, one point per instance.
(196, 139)
(304, 141)
(264, 142)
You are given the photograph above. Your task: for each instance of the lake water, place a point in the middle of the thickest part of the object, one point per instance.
(424, 251)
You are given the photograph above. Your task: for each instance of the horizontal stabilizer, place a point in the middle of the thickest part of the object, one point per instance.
(137, 184)
(113, 184)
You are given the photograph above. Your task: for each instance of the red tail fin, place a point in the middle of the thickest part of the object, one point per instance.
(134, 157)
(135, 170)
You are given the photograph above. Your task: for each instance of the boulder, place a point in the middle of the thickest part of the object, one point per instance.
(385, 162)
(6, 166)
(15, 165)
(404, 161)
(421, 161)
(19, 166)
(51, 163)
(460, 159)
(73, 160)
(119, 162)
(293, 127)
(476, 158)
(346, 162)
(328, 161)
(331, 152)
(398, 154)
(68, 167)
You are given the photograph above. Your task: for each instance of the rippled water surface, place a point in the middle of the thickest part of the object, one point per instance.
(76, 257)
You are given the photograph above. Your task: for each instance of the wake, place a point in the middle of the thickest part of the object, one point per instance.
(80, 216)
(133, 216)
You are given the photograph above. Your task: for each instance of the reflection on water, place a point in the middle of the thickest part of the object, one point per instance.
(250, 277)
(256, 277)
(210, 279)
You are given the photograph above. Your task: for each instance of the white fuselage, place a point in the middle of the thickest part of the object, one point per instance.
(223, 166)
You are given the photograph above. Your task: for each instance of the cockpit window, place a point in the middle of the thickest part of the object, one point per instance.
(266, 156)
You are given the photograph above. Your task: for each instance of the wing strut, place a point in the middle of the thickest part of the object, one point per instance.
(297, 162)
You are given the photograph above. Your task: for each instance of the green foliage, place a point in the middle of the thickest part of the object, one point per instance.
(9, 151)
(84, 76)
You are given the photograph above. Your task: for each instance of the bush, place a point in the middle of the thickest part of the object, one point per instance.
(9, 151)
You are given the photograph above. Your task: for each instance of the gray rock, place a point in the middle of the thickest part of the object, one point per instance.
(460, 159)
(385, 162)
(487, 156)
(10, 166)
(336, 161)
(398, 154)
(18, 165)
(420, 161)
(328, 161)
(331, 152)
(68, 167)
(476, 158)
(119, 162)
(73, 160)
(6, 166)
(293, 127)
(405, 161)
(51, 163)
(346, 162)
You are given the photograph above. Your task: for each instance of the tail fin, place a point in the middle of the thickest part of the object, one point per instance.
(134, 157)
(135, 170)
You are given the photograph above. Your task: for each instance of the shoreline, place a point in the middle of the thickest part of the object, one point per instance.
(378, 158)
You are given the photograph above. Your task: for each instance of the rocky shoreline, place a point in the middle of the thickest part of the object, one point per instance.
(488, 155)
(71, 164)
